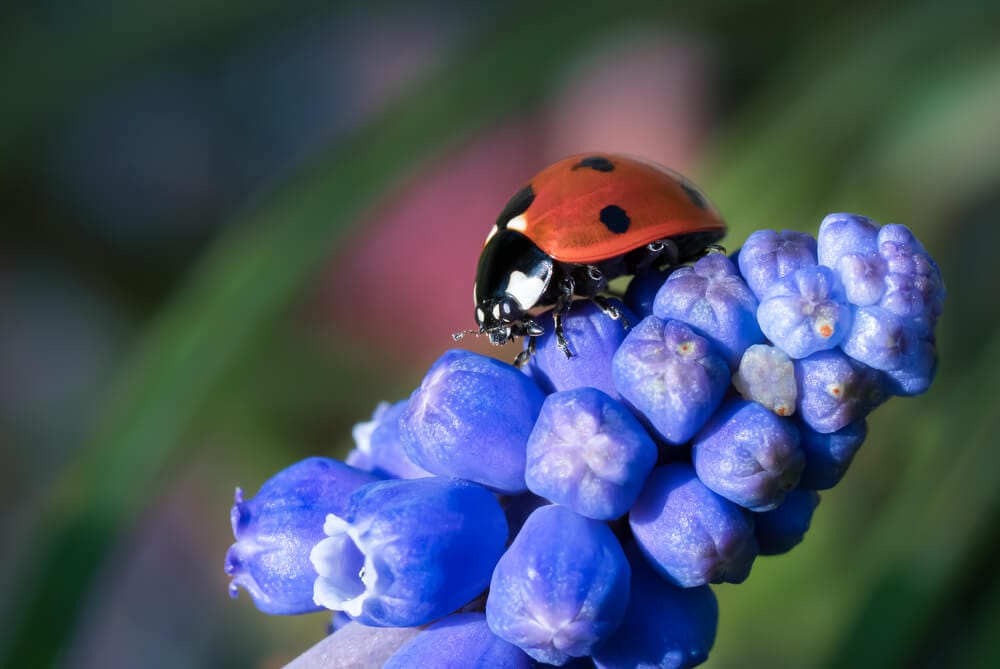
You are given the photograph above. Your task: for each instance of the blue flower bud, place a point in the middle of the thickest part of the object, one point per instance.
(829, 455)
(377, 447)
(560, 588)
(642, 290)
(593, 338)
(782, 529)
(470, 419)
(863, 277)
(665, 626)
(767, 376)
(768, 256)
(835, 390)
(843, 234)
(408, 551)
(460, 640)
(916, 378)
(691, 535)
(805, 312)
(714, 300)
(276, 529)
(671, 375)
(749, 455)
(884, 341)
(588, 453)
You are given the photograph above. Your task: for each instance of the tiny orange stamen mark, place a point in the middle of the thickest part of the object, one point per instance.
(825, 331)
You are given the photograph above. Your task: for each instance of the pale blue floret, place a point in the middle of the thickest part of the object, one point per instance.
(768, 256)
(691, 535)
(470, 418)
(713, 299)
(561, 588)
(749, 455)
(594, 336)
(805, 312)
(671, 375)
(588, 453)
(836, 390)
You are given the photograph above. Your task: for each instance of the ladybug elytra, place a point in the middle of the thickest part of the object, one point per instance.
(575, 226)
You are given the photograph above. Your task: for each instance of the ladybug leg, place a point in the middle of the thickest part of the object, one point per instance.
(713, 248)
(611, 311)
(524, 356)
(566, 289)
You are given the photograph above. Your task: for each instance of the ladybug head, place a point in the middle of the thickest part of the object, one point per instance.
(502, 319)
(513, 276)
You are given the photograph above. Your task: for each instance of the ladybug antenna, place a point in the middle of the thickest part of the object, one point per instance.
(461, 335)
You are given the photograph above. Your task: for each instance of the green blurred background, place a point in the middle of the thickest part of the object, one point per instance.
(230, 229)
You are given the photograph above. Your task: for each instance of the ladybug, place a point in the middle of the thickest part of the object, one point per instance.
(575, 226)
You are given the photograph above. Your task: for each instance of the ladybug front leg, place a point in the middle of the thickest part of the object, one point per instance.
(524, 356)
(566, 289)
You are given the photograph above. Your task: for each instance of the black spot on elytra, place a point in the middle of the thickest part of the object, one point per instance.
(615, 218)
(697, 198)
(599, 163)
(516, 206)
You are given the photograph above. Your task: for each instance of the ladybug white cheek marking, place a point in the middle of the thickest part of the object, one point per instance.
(519, 223)
(526, 290)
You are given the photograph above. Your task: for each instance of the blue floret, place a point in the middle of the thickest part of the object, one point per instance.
(377, 447)
(691, 535)
(593, 336)
(805, 312)
(768, 256)
(588, 453)
(561, 587)
(714, 300)
(470, 418)
(835, 390)
(460, 640)
(276, 529)
(749, 455)
(767, 376)
(829, 455)
(408, 551)
(782, 529)
(665, 626)
(671, 375)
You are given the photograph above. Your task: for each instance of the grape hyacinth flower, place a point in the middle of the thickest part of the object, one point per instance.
(408, 551)
(588, 453)
(460, 640)
(690, 534)
(470, 419)
(595, 338)
(768, 256)
(561, 587)
(716, 302)
(277, 528)
(672, 376)
(749, 455)
(377, 446)
(575, 512)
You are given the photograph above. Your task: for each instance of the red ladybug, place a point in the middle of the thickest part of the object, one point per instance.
(578, 224)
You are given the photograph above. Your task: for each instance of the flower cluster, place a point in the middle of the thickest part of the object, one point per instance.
(576, 510)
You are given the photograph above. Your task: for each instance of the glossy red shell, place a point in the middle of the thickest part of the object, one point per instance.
(565, 217)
